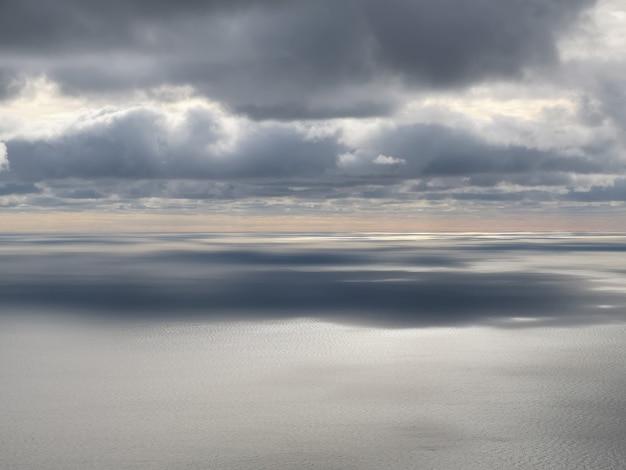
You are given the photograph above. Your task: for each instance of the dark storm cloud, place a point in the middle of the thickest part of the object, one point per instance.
(35, 25)
(388, 283)
(283, 59)
(451, 42)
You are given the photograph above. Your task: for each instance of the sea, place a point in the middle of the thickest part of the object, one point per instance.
(313, 351)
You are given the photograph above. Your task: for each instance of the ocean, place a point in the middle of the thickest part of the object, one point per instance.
(321, 351)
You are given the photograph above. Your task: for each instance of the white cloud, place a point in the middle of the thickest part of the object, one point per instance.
(4, 157)
(387, 160)
(601, 37)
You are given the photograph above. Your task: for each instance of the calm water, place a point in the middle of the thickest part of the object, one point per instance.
(313, 351)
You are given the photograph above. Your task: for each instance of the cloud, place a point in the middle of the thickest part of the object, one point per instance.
(203, 153)
(285, 60)
(4, 160)
(145, 144)
(606, 193)
(10, 83)
(141, 144)
(435, 151)
(18, 188)
(333, 105)
(386, 160)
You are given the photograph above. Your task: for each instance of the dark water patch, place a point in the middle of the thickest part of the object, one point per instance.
(374, 281)
(392, 298)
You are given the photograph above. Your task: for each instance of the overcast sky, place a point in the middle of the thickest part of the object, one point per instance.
(472, 113)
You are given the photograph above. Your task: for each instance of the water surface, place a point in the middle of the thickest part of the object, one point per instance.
(325, 351)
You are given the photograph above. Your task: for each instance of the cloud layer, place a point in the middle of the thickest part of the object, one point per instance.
(203, 154)
(333, 105)
(283, 59)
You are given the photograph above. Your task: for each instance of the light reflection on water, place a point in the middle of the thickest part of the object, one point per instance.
(301, 393)
(472, 354)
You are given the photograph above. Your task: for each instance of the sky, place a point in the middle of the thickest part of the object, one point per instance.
(297, 115)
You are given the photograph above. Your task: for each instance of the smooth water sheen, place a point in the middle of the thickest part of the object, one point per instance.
(310, 351)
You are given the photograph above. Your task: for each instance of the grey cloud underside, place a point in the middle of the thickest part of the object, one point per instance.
(138, 154)
(283, 61)
(368, 282)
(436, 151)
(615, 192)
(139, 145)
(279, 59)
(10, 83)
